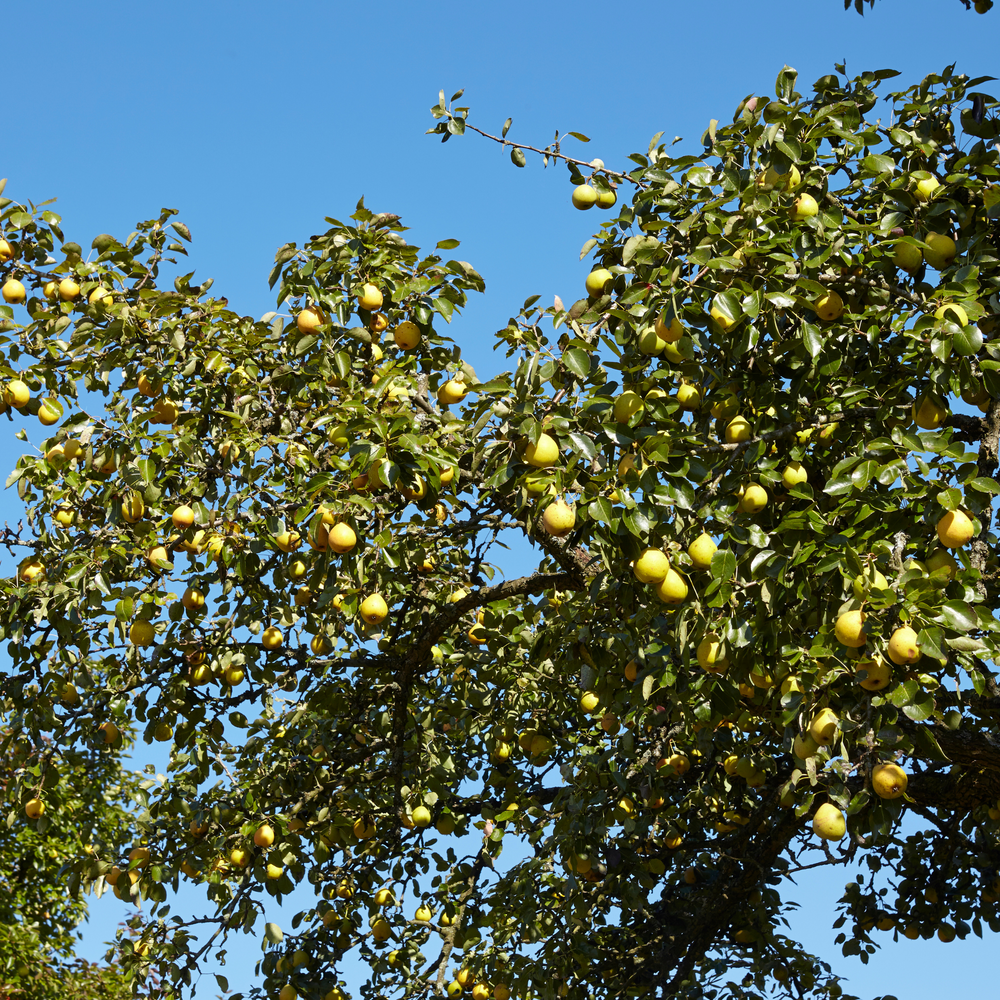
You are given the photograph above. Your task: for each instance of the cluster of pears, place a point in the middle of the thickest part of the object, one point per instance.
(406, 335)
(652, 566)
(586, 195)
(888, 780)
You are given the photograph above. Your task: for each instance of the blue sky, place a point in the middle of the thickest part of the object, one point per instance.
(256, 120)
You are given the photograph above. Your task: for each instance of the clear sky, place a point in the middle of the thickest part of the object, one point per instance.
(258, 119)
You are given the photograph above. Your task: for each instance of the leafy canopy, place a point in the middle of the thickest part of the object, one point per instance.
(277, 548)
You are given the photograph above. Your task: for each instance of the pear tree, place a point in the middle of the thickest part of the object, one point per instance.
(749, 477)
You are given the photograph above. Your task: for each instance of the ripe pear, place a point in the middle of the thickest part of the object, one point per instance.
(794, 475)
(723, 318)
(650, 342)
(701, 551)
(877, 672)
(955, 529)
(929, 412)
(754, 499)
(823, 727)
(940, 250)
(543, 453)
(725, 408)
(850, 629)
(370, 297)
(598, 281)
(341, 538)
(829, 822)
(673, 588)
(406, 336)
(889, 781)
(907, 257)
(709, 655)
(13, 291)
(903, 648)
(829, 306)
(689, 396)
(651, 566)
(669, 330)
(804, 746)
(626, 405)
(584, 196)
(805, 207)
(925, 188)
(737, 430)
(559, 518)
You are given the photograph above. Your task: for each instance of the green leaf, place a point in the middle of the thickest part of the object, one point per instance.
(922, 707)
(924, 738)
(984, 484)
(601, 510)
(636, 522)
(448, 244)
(577, 361)
(959, 616)
(812, 337)
(723, 565)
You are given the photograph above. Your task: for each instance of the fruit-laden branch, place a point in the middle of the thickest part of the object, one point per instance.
(987, 463)
(534, 583)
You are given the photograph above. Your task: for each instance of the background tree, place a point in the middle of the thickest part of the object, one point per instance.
(274, 546)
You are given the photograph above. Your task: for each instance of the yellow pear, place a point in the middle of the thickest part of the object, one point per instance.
(453, 391)
(738, 429)
(689, 396)
(374, 609)
(955, 529)
(877, 672)
(829, 822)
(598, 280)
(651, 566)
(370, 298)
(559, 518)
(829, 306)
(543, 453)
(673, 588)
(341, 538)
(626, 405)
(903, 648)
(701, 551)
(889, 781)
(943, 562)
(668, 330)
(754, 499)
(940, 250)
(406, 335)
(650, 342)
(823, 727)
(709, 655)
(584, 196)
(850, 629)
(794, 475)
(929, 412)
